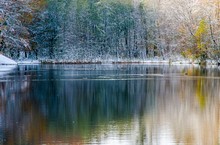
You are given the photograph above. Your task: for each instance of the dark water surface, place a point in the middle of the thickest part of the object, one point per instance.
(109, 104)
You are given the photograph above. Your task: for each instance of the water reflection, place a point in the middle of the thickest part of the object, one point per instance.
(110, 104)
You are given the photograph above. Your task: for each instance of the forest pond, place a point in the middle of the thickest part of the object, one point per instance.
(109, 104)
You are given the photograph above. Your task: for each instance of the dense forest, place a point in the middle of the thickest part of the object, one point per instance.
(91, 30)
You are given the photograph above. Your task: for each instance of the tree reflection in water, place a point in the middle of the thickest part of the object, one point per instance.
(110, 104)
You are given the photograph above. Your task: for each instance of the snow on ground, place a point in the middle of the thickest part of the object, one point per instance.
(28, 62)
(6, 61)
(150, 61)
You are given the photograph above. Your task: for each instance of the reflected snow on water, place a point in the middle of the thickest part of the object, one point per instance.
(110, 104)
(5, 69)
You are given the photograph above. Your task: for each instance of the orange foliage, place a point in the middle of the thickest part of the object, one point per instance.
(37, 4)
(26, 18)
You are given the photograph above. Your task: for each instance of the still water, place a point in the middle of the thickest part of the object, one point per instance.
(109, 105)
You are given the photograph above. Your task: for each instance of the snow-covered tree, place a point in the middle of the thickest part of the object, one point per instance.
(13, 35)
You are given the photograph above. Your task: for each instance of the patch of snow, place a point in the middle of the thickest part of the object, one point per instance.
(6, 61)
(31, 62)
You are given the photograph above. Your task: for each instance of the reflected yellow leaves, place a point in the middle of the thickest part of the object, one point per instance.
(189, 110)
(200, 94)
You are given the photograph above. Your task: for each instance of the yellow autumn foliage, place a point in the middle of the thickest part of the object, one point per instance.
(201, 43)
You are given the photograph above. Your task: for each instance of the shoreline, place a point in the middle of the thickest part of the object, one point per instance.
(147, 62)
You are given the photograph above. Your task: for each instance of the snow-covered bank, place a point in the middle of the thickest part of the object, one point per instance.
(6, 61)
(28, 62)
(147, 61)
(153, 62)
(177, 60)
